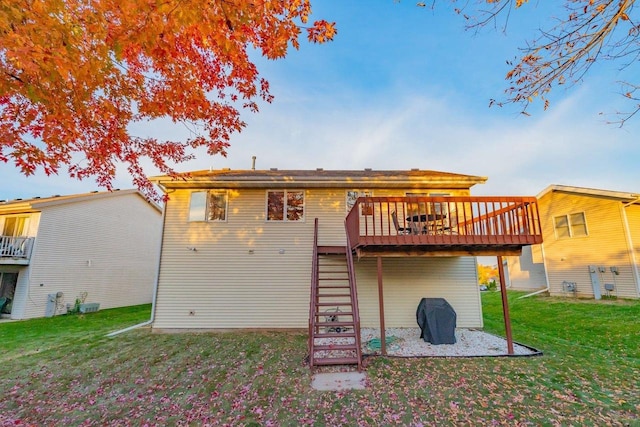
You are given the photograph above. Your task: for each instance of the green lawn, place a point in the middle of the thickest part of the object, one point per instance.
(64, 371)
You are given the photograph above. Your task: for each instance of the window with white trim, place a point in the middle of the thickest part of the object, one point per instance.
(571, 225)
(15, 226)
(285, 205)
(208, 205)
(352, 197)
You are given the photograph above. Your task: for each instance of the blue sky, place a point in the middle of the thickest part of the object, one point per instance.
(407, 87)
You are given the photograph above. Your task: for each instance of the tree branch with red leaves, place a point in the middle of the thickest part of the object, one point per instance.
(75, 75)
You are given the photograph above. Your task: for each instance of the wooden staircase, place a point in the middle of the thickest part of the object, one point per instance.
(334, 321)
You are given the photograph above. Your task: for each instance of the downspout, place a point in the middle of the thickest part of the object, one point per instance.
(632, 252)
(155, 286)
(546, 276)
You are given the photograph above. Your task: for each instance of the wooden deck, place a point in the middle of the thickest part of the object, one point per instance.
(443, 226)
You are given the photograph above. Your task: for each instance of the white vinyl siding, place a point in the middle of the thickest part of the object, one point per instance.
(526, 272)
(107, 247)
(604, 246)
(253, 273)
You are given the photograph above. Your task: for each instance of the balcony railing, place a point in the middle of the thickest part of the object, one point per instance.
(15, 248)
(455, 225)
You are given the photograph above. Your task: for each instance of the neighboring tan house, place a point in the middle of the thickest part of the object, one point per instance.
(591, 245)
(278, 248)
(100, 247)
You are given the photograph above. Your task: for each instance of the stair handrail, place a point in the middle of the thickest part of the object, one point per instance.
(354, 295)
(313, 299)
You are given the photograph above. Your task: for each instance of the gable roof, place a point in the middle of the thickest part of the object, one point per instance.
(35, 204)
(619, 195)
(319, 178)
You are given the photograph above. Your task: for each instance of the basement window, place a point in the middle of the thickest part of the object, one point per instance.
(571, 225)
(208, 205)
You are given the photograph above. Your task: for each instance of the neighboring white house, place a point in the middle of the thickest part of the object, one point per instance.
(238, 246)
(100, 247)
(591, 245)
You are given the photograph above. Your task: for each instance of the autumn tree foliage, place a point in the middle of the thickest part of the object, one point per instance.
(76, 74)
(585, 32)
(487, 273)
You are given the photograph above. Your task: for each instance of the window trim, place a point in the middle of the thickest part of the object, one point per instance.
(25, 224)
(285, 206)
(570, 226)
(348, 197)
(205, 216)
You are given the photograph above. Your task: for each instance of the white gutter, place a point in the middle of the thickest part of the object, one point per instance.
(632, 252)
(155, 287)
(121, 331)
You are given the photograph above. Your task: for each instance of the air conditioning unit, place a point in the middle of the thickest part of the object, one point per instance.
(89, 307)
(569, 286)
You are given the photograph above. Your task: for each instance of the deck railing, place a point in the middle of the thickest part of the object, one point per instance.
(462, 220)
(16, 247)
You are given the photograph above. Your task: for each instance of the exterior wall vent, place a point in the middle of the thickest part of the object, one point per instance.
(274, 169)
(367, 169)
(319, 169)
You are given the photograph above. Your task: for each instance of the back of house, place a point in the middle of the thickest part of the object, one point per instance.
(237, 249)
(57, 252)
(591, 245)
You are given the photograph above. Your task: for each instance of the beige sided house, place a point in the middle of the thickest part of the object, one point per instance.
(591, 245)
(101, 247)
(329, 250)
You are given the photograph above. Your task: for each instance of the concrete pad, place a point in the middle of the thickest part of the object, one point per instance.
(336, 381)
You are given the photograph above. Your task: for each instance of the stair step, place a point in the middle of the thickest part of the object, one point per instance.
(334, 324)
(335, 361)
(336, 347)
(332, 313)
(334, 295)
(333, 278)
(334, 335)
(329, 287)
(334, 304)
(333, 250)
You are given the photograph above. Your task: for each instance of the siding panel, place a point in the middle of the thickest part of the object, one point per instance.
(106, 247)
(248, 273)
(605, 245)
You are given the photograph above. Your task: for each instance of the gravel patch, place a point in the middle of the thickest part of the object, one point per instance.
(469, 342)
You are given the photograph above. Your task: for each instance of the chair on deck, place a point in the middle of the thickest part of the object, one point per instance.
(396, 224)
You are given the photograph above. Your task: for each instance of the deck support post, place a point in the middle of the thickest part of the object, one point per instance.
(505, 306)
(383, 339)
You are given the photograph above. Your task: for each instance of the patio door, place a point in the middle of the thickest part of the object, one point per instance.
(8, 282)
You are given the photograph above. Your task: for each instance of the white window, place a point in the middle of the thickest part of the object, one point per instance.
(285, 205)
(15, 226)
(572, 225)
(208, 205)
(352, 196)
(440, 208)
